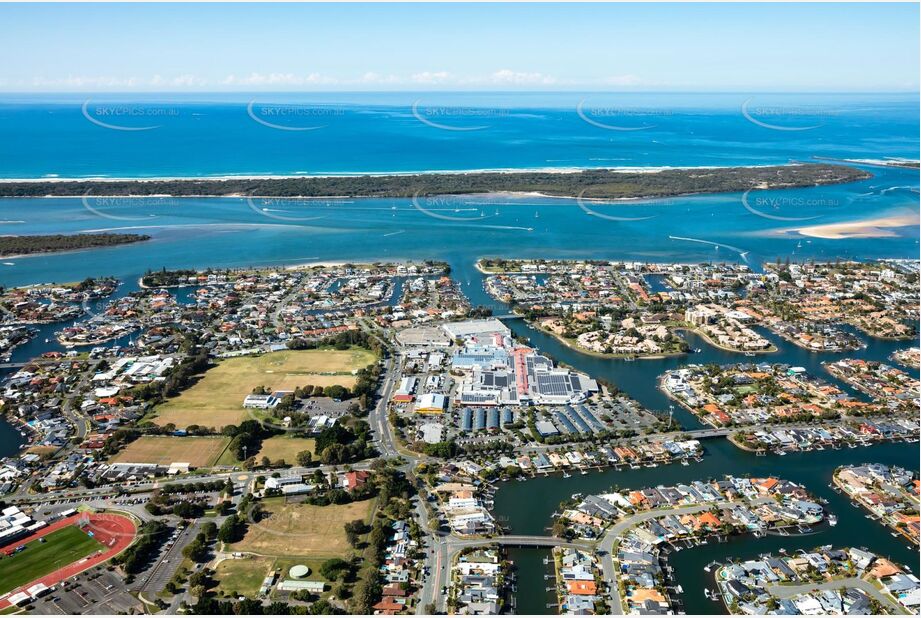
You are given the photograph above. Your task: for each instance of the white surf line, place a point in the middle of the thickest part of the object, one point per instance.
(394, 233)
(742, 252)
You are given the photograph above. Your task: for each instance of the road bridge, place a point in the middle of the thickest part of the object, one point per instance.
(513, 540)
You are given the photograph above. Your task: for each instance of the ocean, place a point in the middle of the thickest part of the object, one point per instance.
(349, 133)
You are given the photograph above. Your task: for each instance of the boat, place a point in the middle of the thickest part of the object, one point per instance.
(832, 519)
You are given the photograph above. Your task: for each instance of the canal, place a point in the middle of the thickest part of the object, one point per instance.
(528, 507)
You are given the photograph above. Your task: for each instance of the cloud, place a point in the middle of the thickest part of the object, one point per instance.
(84, 81)
(429, 77)
(180, 81)
(277, 79)
(282, 80)
(518, 78)
(376, 78)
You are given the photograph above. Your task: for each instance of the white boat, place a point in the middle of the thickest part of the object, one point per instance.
(832, 520)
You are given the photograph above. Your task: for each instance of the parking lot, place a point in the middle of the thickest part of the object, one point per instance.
(153, 580)
(97, 591)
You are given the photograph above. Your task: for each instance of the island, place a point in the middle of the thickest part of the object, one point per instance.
(52, 243)
(589, 183)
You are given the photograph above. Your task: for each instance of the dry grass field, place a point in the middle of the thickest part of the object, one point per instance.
(302, 529)
(244, 576)
(216, 399)
(284, 447)
(241, 577)
(199, 451)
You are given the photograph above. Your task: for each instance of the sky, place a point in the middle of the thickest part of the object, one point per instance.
(479, 47)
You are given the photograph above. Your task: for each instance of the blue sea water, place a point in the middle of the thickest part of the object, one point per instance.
(206, 135)
(173, 135)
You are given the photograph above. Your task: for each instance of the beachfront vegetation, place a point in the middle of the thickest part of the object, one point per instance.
(597, 183)
(26, 245)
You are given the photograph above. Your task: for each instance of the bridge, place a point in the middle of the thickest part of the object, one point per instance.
(710, 433)
(511, 540)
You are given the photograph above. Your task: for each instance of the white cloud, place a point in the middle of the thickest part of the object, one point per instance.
(430, 77)
(376, 78)
(84, 81)
(304, 81)
(518, 78)
(180, 81)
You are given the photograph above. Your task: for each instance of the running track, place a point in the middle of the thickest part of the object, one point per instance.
(115, 532)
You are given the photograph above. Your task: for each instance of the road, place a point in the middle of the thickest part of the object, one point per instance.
(785, 591)
(616, 532)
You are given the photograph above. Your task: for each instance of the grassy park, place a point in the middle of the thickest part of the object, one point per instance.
(198, 451)
(303, 529)
(216, 399)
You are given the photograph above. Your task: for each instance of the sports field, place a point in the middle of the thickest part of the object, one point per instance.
(198, 451)
(303, 529)
(216, 399)
(61, 547)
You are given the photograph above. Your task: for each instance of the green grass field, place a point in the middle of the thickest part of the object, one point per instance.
(60, 548)
(217, 399)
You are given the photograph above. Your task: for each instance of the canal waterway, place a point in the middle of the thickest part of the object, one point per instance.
(527, 507)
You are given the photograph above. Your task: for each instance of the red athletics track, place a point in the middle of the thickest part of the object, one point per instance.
(115, 532)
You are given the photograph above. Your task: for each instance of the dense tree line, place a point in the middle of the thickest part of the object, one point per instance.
(344, 442)
(166, 278)
(25, 245)
(198, 549)
(597, 183)
(150, 535)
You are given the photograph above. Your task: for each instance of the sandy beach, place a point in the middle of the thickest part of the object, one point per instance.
(509, 170)
(881, 227)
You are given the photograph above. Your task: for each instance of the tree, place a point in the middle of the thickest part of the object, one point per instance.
(333, 568)
(232, 529)
(304, 458)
